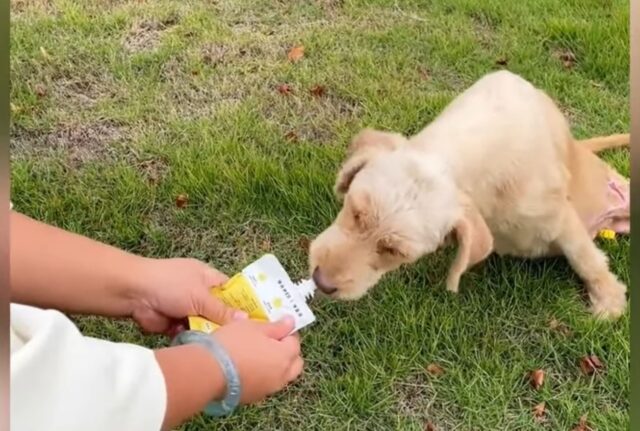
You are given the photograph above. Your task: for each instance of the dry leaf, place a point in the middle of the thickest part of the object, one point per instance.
(304, 243)
(590, 364)
(318, 90)
(502, 61)
(559, 327)
(284, 89)
(429, 426)
(435, 370)
(291, 136)
(40, 90)
(537, 379)
(182, 200)
(567, 58)
(296, 53)
(539, 412)
(425, 73)
(266, 245)
(582, 424)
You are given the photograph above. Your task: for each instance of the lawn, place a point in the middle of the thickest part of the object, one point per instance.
(121, 106)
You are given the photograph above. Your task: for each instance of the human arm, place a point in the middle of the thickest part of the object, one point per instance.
(53, 268)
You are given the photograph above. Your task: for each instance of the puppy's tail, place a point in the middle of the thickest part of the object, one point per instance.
(602, 143)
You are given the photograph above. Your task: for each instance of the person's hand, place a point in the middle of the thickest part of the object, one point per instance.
(172, 289)
(267, 359)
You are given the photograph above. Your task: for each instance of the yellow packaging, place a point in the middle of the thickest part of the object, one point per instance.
(265, 291)
(607, 234)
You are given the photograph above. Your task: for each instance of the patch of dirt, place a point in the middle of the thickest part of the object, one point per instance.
(213, 54)
(484, 27)
(153, 169)
(81, 144)
(146, 35)
(310, 118)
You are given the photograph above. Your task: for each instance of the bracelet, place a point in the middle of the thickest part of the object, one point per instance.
(232, 396)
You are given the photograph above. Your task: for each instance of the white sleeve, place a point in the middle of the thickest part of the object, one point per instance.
(64, 381)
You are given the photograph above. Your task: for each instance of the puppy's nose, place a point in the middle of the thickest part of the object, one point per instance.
(321, 282)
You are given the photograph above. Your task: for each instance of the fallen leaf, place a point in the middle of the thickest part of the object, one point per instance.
(435, 370)
(590, 364)
(291, 136)
(266, 245)
(296, 53)
(567, 58)
(502, 61)
(182, 200)
(304, 243)
(582, 424)
(425, 73)
(284, 89)
(537, 379)
(539, 412)
(429, 426)
(561, 328)
(40, 90)
(318, 90)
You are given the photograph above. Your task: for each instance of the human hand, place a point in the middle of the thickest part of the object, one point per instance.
(172, 289)
(266, 358)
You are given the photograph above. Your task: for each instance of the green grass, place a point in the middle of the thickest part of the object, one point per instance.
(121, 106)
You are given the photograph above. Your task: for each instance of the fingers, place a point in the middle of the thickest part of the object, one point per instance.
(295, 370)
(150, 321)
(291, 345)
(279, 330)
(213, 309)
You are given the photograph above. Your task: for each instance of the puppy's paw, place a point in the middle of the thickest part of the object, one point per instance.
(453, 284)
(608, 298)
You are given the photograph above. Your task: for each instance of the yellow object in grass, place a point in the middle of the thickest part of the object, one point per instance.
(607, 234)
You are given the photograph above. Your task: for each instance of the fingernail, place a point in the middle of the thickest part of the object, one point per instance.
(289, 319)
(240, 315)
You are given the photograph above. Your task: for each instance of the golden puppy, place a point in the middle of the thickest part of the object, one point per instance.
(500, 171)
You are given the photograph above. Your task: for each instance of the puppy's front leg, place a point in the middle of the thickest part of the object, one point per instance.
(606, 292)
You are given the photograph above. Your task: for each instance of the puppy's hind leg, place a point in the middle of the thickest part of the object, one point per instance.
(606, 292)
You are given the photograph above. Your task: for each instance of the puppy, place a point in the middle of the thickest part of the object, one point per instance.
(498, 170)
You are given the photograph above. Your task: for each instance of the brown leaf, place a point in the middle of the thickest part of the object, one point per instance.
(318, 90)
(435, 370)
(40, 90)
(425, 73)
(182, 200)
(582, 424)
(561, 328)
(502, 61)
(429, 426)
(536, 378)
(590, 364)
(284, 89)
(539, 412)
(296, 53)
(291, 136)
(266, 245)
(304, 243)
(567, 58)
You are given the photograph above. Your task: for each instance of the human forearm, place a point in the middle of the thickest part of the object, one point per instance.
(193, 378)
(53, 268)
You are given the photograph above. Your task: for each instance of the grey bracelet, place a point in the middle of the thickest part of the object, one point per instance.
(232, 396)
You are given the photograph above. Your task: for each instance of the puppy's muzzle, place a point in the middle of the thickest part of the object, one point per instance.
(322, 283)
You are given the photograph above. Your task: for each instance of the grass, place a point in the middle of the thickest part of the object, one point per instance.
(120, 106)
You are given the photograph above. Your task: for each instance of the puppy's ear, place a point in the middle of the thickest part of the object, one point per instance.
(364, 147)
(475, 243)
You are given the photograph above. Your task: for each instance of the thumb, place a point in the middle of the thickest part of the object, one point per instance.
(213, 309)
(280, 329)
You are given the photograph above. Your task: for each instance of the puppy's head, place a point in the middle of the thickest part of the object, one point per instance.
(398, 204)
